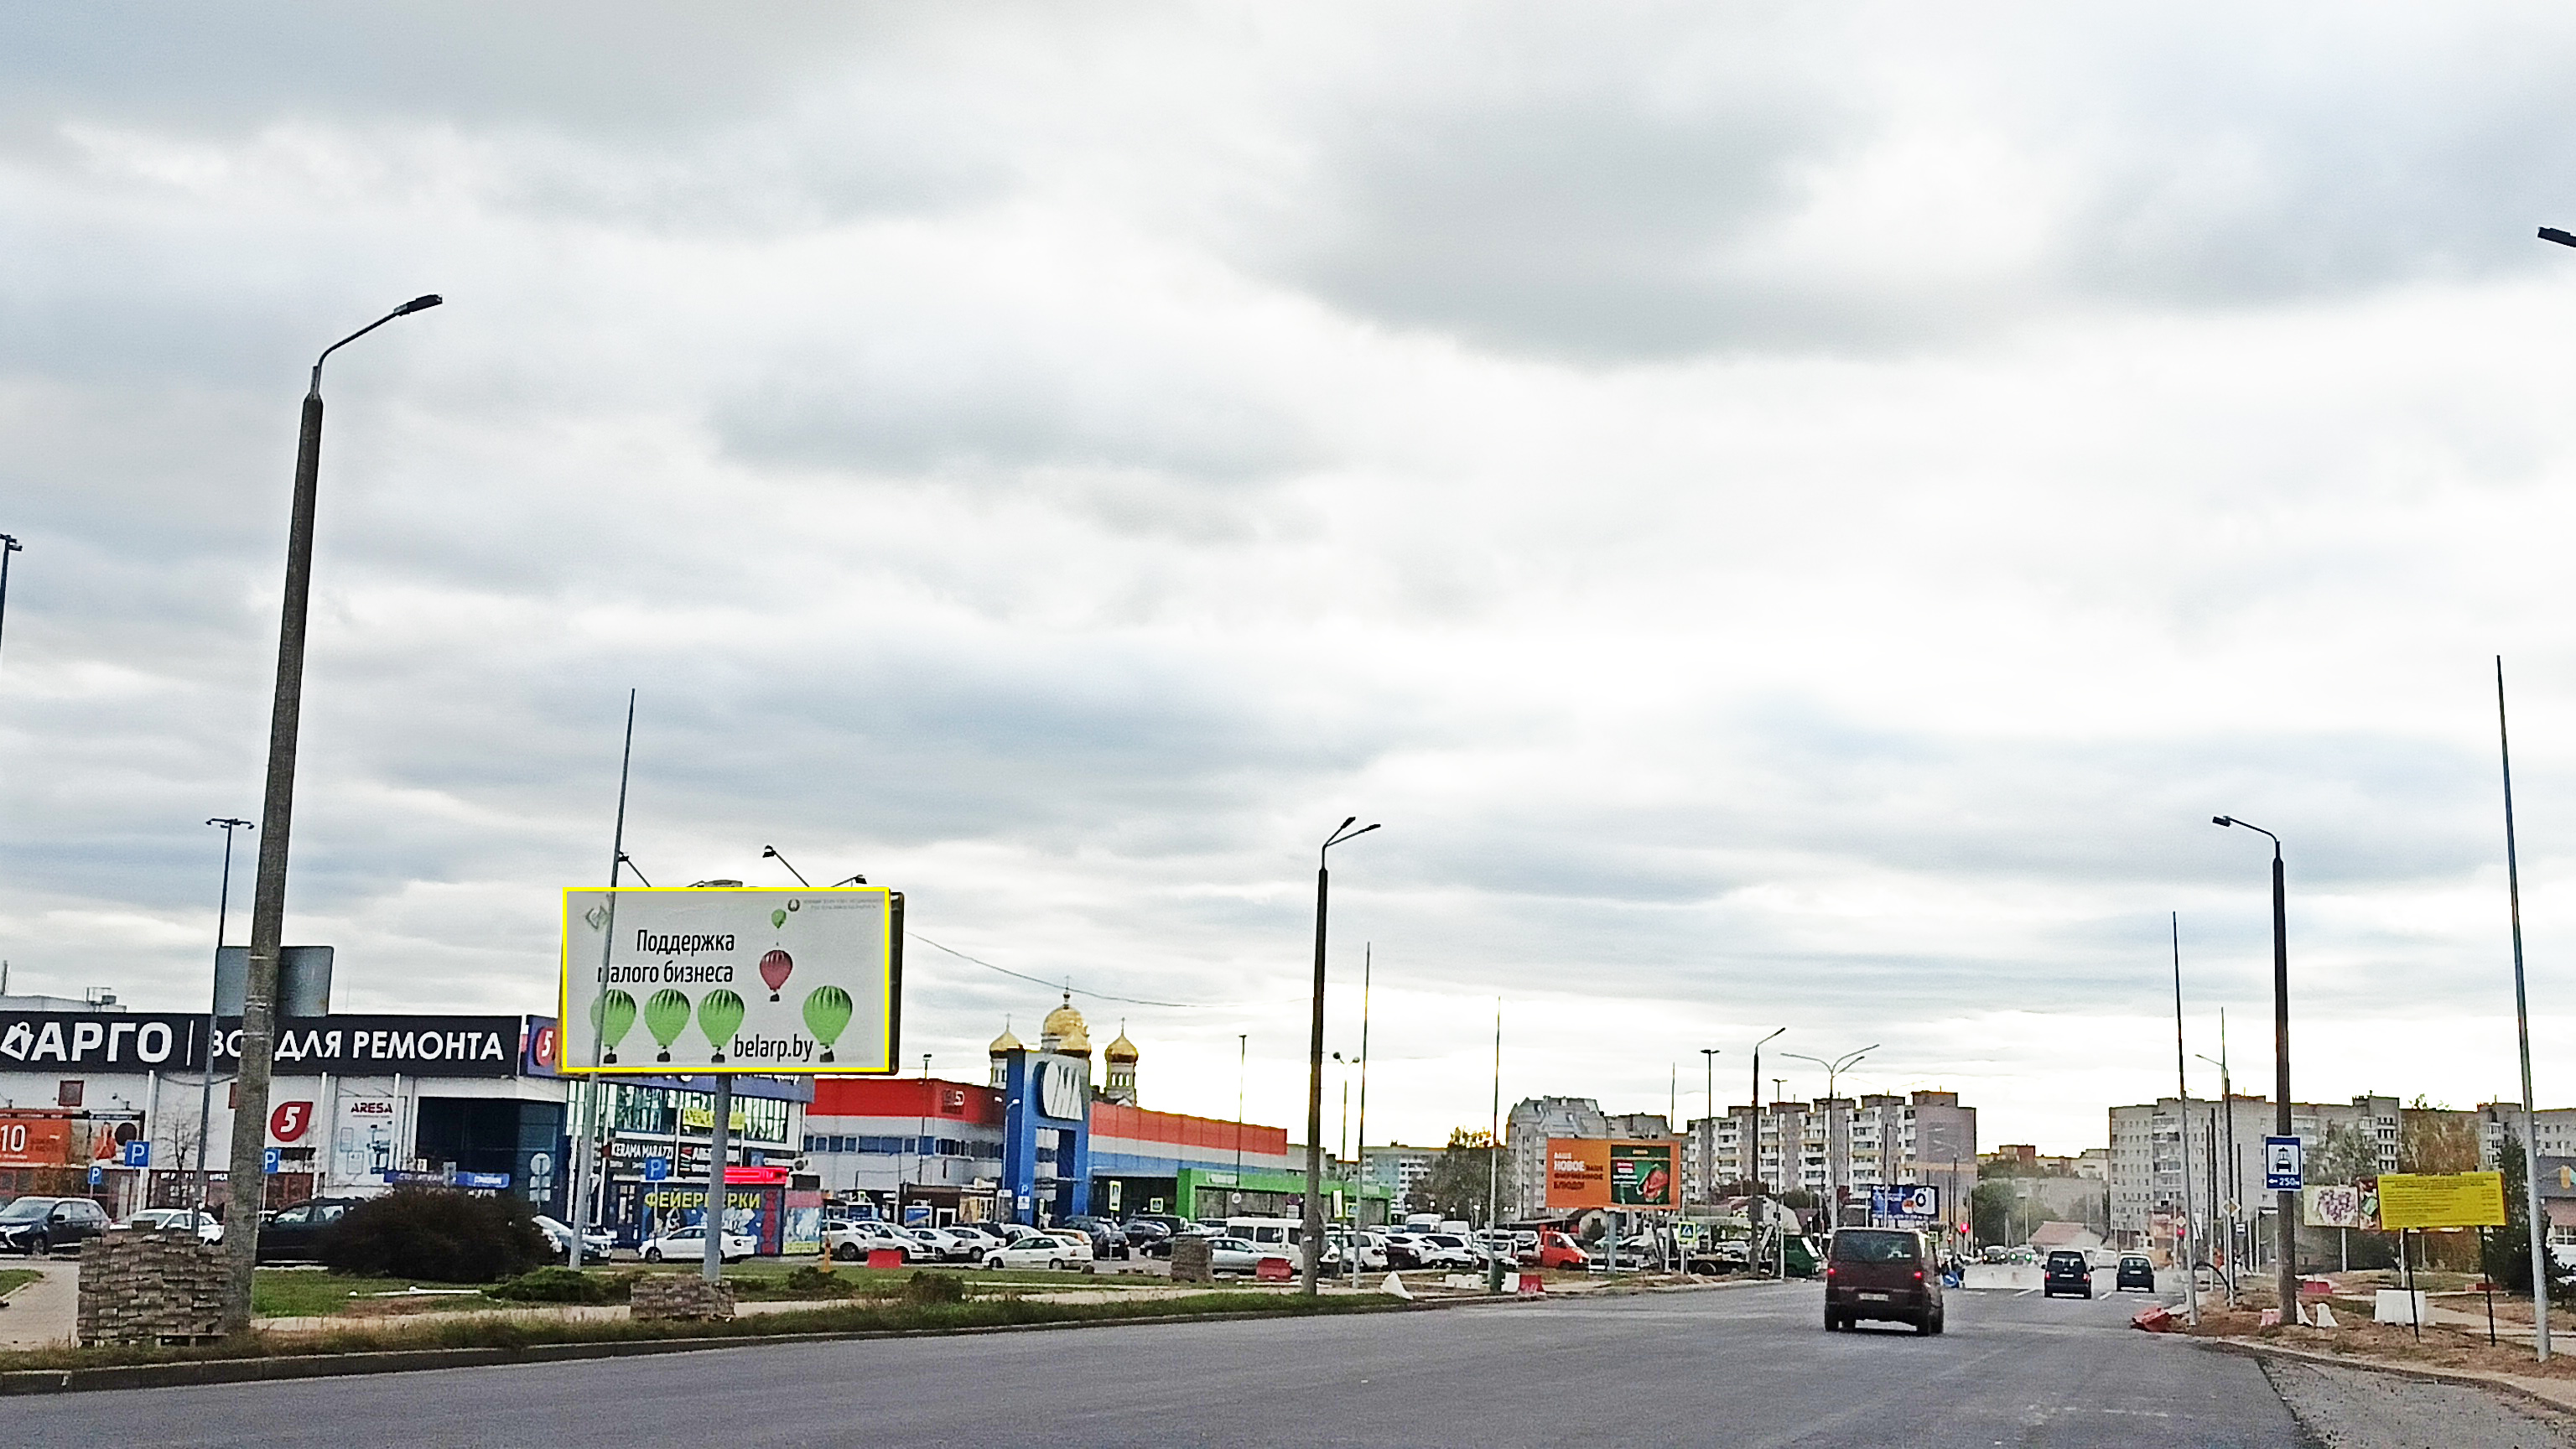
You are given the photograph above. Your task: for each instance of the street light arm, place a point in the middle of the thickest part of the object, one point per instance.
(2249, 825)
(417, 304)
(2553, 234)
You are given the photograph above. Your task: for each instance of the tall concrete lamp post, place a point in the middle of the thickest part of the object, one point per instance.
(1314, 1245)
(246, 1181)
(2286, 1203)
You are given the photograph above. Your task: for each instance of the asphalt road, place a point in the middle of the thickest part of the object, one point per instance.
(1748, 1368)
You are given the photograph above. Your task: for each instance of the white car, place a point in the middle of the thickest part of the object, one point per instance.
(943, 1246)
(1445, 1250)
(165, 1220)
(851, 1241)
(1042, 1250)
(1238, 1255)
(1372, 1252)
(594, 1244)
(689, 1245)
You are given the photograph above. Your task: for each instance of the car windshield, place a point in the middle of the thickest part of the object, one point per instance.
(1867, 1247)
(26, 1210)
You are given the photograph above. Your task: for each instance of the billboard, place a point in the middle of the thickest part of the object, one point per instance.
(35, 1142)
(2341, 1205)
(1904, 1205)
(1599, 1172)
(2441, 1200)
(737, 979)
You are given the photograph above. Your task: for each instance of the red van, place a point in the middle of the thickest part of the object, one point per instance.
(1886, 1273)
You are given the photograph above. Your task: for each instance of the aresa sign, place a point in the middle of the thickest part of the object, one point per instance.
(731, 980)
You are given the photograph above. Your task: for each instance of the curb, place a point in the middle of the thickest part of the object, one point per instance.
(278, 1368)
(2554, 1407)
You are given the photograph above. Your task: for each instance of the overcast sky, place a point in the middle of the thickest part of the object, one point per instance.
(1792, 516)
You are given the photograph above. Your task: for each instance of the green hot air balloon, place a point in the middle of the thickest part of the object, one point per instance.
(827, 1014)
(611, 1016)
(719, 1012)
(777, 920)
(666, 1015)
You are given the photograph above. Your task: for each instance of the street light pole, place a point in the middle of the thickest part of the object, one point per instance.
(1753, 1149)
(2522, 1035)
(1314, 1244)
(1833, 1072)
(206, 1082)
(2227, 1098)
(8, 545)
(246, 1182)
(1708, 1090)
(2285, 1203)
(2182, 1085)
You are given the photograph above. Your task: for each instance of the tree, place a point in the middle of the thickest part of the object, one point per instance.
(2435, 1139)
(2344, 1155)
(2507, 1255)
(1458, 1184)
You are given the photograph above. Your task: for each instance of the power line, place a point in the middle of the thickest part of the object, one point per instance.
(1052, 985)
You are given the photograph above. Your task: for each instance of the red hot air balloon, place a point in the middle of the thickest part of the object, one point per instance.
(774, 968)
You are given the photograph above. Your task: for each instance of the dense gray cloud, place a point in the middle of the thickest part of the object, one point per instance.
(1790, 519)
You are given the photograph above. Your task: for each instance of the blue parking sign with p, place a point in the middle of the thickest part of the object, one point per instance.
(657, 1169)
(138, 1154)
(268, 1160)
(96, 1174)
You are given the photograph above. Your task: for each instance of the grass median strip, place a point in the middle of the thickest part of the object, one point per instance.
(519, 1334)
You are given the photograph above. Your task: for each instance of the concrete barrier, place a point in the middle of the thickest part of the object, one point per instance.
(2010, 1277)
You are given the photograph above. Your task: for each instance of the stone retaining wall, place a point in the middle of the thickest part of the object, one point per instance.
(680, 1295)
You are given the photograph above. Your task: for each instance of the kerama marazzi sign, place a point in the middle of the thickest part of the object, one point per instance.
(1600, 1172)
(659, 981)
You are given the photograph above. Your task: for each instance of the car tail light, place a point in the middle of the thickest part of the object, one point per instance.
(1829, 1274)
(1918, 1275)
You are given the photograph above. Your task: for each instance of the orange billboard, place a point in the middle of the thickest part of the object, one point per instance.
(35, 1142)
(1600, 1172)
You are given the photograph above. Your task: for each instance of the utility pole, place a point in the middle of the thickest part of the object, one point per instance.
(8, 545)
(2285, 1202)
(247, 1180)
(2522, 1033)
(1708, 1087)
(2182, 1088)
(206, 1084)
(1359, 1214)
(586, 1091)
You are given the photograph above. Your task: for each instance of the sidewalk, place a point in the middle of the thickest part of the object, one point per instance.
(46, 1312)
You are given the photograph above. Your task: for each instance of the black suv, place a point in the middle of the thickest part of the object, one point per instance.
(38, 1225)
(292, 1236)
(2136, 1271)
(2068, 1271)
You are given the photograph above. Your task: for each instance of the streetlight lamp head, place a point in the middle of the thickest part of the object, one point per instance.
(1346, 824)
(419, 304)
(2564, 239)
(769, 852)
(2220, 820)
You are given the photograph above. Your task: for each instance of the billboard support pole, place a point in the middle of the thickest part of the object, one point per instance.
(718, 1145)
(586, 1090)
(2191, 1231)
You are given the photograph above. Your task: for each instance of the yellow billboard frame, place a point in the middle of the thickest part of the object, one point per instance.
(2411, 1200)
(890, 953)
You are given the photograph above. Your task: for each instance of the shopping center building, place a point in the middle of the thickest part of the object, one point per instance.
(1036, 1142)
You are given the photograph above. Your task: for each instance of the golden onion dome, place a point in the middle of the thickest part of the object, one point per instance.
(1066, 1023)
(1005, 1044)
(1121, 1050)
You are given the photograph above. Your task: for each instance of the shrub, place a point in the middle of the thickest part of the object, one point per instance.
(935, 1288)
(564, 1285)
(438, 1234)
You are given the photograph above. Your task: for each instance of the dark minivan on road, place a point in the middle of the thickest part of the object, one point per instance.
(1885, 1273)
(2067, 1271)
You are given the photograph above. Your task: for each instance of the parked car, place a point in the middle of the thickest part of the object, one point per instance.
(689, 1245)
(1144, 1233)
(594, 1244)
(944, 1246)
(1237, 1255)
(850, 1241)
(1043, 1250)
(292, 1234)
(1370, 1248)
(1406, 1250)
(1108, 1240)
(2136, 1271)
(176, 1220)
(1445, 1250)
(2067, 1271)
(37, 1226)
(977, 1238)
(1882, 1273)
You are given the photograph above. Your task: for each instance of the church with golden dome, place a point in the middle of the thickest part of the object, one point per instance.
(1065, 1033)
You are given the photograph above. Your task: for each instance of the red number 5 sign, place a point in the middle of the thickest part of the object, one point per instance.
(290, 1121)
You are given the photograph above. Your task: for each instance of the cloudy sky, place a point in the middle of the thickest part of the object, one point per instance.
(1792, 516)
